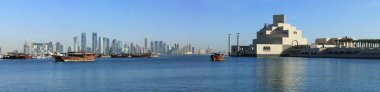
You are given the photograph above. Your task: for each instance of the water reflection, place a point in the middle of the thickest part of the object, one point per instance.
(280, 74)
(193, 74)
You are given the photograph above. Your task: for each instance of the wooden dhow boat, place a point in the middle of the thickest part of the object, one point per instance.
(217, 57)
(74, 57)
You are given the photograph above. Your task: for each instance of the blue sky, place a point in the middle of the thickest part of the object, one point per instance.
(200, 22)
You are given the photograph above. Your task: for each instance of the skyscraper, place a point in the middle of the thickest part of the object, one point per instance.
(76, 46)
(100, 45)
(50, 47)
(83, 42)
(164, 50)
(193, 50)
(114, 47)
(132, 48)
(106, 46)
(151, 46)
(94, 42)
(156, 47)
(59, 47)
(26, 48)
(125, 48)
(119, 47)
(145, 45)
(69, 49)
(160, 47)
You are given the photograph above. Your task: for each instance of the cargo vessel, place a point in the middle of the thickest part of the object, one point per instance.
(74, 57)
(12, 55)
(217, 57)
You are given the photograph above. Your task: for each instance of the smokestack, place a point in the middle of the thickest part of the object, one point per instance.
(229, 44)
(238, 45)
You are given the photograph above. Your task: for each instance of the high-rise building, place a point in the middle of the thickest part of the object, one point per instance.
(100, 45)
(88, 49)
(151, 46)
(26, 48)
(160, 47)
(192, 50)
(40, 48)
(145, 45)
(201, 51)
(50, 47)
(133, 48)
(76, 44)
(60, 47)
(114, 47)
(208, 50)
(83, 42)
(176, 46)
(94, 42)
(168, 48)
(57, 46)
(119, 47)
(164, 48)
(106, 46)
(156, 47)
(69, 49)
(125, 48)
(139, 49)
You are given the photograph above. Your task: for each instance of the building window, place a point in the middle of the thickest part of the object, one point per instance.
(261, 33)
(294, 32)
(266, 48)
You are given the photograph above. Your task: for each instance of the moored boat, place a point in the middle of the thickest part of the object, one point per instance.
(217, 57)
(74, 57)
(140, 55)
(137, 55)
(154, 55)
(12, 55)
(120, 56)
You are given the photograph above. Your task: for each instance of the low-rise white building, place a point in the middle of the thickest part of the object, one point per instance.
(324, 43)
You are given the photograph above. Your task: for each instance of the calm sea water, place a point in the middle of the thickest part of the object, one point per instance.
(192, 74)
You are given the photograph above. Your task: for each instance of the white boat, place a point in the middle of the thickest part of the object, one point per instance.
(154, 55)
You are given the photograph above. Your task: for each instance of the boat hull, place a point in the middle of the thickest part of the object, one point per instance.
(142, 55)
(17, 57)
(217, 57)
(74, 59)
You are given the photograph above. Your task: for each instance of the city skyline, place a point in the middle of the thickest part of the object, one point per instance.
(199, 22)
(102, 45)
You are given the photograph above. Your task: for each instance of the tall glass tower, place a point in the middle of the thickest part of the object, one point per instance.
(83, 42)
(105, 46)
(145, 45)
(76, 43)
(100, 45)
(94, 42)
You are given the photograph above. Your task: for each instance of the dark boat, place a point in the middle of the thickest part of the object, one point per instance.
(12, 55)
(121, 56)
(139, 55)
(74, 57)
(217, 57)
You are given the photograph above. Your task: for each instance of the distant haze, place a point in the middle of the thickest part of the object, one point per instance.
(204, 23)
